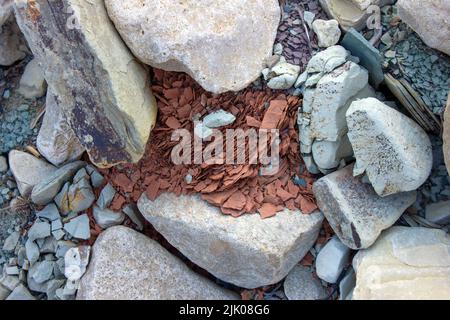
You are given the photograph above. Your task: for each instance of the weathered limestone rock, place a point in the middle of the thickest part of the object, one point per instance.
(126, 265)
(332, 260)
(300, 284)
(353, 209)
(204, 39)
(28, 170)
(223, 245)
(432, 23)
(392, 149)
(282, 75)
(12, 42)
(405, 263)
(328, 32)
(56, 140)
(446, 135)
(104, 92)
(32, 83)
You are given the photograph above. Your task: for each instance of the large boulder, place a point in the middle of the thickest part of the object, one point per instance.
(222, 44)
(249, 251)
(28, 170)
(446, 135)
(127, 265)
(354, 210)
(389, 147)
(104, 92)
(404, 264)
(431, 23)
(56, 140)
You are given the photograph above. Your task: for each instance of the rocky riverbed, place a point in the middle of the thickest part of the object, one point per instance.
(116, 125)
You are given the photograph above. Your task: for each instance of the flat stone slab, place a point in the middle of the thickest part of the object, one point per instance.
(249, 252)
(127, 265)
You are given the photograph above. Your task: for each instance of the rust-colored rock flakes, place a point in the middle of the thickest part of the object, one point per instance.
(235, 189)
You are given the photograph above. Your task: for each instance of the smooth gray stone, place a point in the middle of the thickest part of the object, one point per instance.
(79, 227)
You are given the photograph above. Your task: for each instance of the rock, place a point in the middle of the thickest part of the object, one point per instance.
(222, 244)
(327, 31)
(96, 179)
(327, 60)
(369, 57)
(205, 40)
(32, 82)
(75, 262)
(6, 10)
(50, 212)
(405, 263)
(9, 282)
(20, 293)
(3, 164)
(354, 210)
(49, 186)
(56, 140)
(328, 154)
(41, 271)
(11, 242)
(80, 196)
(202, 131)
(39, 230)
(392, 149)
(52, 286)
(4, 292)
(300, 284)
(283, 75)
(446, 135)
(282, 82)
(79, 227)
(85, 49)
(12, 42)
(347, 285)
(438, 213)
(106, 218)
(32, 251)
(28, 170)
(346, 13)
(157, 274)
(106, 196)
(432, 24)
(132, 211)
(218, 119)
(331, 260)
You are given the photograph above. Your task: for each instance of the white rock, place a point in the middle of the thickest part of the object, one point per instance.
(438, 212)
(431, 23)
(328, 154)
(202, 131)
(28, 170)
(56, 140)
(204, 39)
(331, 260)
(32, 82)
(392, 149)
(75, 262)
(221, 244)
(282, 82)
(218, 119)
(328, 32)
(126, 265)
(21, 293)
(106, 218)
(404, 264)
(327, 60)
(300, 284)
(355, 212)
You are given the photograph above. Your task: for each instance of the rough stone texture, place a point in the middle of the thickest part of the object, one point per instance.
(28, 170)
(446, 135)
(438, 213)
(106, 218)
(224, 246)
(32, 82)
(392, 149)
(56, 140)
(405, 263)
(105, 92)
(6, 9)
(202, 38)
(300, 284)
(126, 265)
(12, 42)
(353, 209)
(328, 32)
(431, 24)
(3, 164)
(331, 260)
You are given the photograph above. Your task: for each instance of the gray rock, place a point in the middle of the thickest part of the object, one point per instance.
(79, 227)
(44, 192)
(222, 244)
(52, 286)
(4, 292)
(62, 199)
(218, 119)
(58, 234)
(80, 196)
(42, 271)
(157, 274)
(347, 285)
(9, 282)
(438, 213)
(300, 284)
(20, 293)
(3, 164)
(11, 242)
(28, 170)
(39, 230)
(49, 245)
(132, 211)
(50, 212)
(32, 82)
(331, 260)
(32, 251)
(56, 225)
(96, 179)
(106, 218)
(113, 127)
(354, 210)
(56, 140)
(106, 196)
(63, 247)
(393, 150)
(12, 42)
